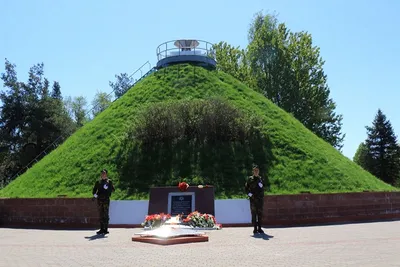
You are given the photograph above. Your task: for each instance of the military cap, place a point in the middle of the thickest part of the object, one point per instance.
(255, 166)
(104, 171)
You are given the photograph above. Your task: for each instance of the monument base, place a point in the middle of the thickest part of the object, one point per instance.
(170, 241)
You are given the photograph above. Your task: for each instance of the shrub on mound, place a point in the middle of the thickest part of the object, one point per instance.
(200, 141)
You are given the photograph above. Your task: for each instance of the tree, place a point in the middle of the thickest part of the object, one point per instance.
(45, 118)
(383, 151)
(63, 117)
(14, 109)
(100, 102)
(122, 85)
(289, 71)
(56, 92)
(233, 60)
(77, 110)
(361, 156)
(30, 119)
(12, 123)
(8, 166)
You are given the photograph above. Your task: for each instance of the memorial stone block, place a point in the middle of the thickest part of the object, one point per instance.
(171, 200)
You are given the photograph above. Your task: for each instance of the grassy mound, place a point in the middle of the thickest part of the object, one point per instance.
(295, 159)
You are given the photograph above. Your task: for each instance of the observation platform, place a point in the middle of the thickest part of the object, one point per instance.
(186, 51)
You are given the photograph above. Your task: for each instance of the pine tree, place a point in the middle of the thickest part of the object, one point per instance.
(56, 93)
(383, 151)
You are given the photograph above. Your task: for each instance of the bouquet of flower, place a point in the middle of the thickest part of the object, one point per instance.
(197, 219)
(155, 220)
(183, 186)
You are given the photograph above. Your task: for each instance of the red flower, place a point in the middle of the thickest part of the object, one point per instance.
(183, 186)
(158, 217)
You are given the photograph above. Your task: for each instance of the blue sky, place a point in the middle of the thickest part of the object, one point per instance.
(83, 44)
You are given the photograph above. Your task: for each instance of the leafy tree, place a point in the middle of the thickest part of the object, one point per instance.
(361, 156)
(289, 70)
(233, 61)
(77, 110)
(30, 119)
(46, 118)
(14, 109)
(100, 102)
(63, 117)
(12, 125)
(5, 163)
(122, 84)
(383, 150)
(8, 166)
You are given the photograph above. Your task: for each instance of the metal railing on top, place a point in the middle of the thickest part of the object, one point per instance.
(185, 48)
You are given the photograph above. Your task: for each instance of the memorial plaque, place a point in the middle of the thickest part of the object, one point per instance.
(181, 203)
(161, 200)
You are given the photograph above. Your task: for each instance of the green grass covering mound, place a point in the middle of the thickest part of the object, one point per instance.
(292, 158)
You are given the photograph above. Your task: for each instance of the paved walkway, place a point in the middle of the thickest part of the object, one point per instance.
(373, 244)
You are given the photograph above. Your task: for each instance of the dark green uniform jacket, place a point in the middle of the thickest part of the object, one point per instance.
(103, 189)
(255, 186)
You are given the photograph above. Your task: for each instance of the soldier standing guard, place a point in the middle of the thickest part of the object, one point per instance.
(102, 191)
(254, 187)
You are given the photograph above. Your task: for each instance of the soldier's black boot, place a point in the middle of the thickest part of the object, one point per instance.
(105, 231)
(101, 229)
(255, 228)
(259, 227)
(254, 221)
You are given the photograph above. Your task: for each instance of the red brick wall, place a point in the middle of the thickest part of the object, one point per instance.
(287, 210)
(280, 210)
(55, 212)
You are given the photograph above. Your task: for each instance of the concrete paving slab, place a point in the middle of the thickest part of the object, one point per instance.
(369, 244)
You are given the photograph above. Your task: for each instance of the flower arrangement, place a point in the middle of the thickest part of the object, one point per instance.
(201, 220)
(155, 220)
(183, 186)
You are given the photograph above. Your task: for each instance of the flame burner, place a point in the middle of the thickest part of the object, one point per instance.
(172, 232)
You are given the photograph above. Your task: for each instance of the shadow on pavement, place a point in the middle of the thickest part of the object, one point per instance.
(94, 237)
(263, 236)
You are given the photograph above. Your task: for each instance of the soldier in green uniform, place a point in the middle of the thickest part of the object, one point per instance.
(254, 187)
(102, 192)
